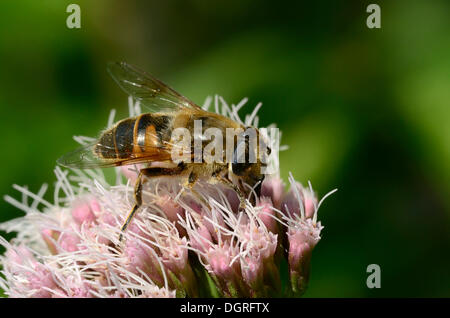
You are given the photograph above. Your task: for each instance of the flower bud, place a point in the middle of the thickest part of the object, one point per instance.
(74, 287)
(253, 272)
(291, 202)
(30, 276)
(226, 272)
(203, 240)
(302, 241)
(141, 257)
(69, 242)
(232, 199)
(273, 188)
(171, 210)
(50, 237)
(267, 214)
(84, 211)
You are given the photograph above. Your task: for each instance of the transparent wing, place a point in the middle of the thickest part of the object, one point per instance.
(149, 91)
(86, 157)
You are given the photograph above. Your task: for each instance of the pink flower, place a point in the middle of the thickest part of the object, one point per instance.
(291, 203)
(267, 214)
(176, 245)
(303, 232)
(273, 188)
(28, 276)
(83, 211)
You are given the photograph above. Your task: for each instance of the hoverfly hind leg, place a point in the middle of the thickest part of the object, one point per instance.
(127, 221)
(137, 204)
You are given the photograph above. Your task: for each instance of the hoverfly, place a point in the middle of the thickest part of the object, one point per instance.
(147, 139)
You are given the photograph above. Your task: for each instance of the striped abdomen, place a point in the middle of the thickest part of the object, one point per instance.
(136, 137)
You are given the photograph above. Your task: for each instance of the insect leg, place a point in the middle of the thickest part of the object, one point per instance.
(137, 204)
(192, 179)
(151, 173)
(238, 190)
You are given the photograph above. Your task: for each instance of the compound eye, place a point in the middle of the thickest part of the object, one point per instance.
(239, 168)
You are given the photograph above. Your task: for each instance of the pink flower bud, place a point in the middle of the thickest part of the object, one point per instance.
(74, 287)
(171, 211)
(50, 237)
(302, 241)
(201, 241)
(31, 276)
(141, 257)
(232, 199)
(273, 188)
(310, 202)
(291, 202)
(300, 247)
(170, 208)
(176, 258)
(39, 278)
(157, 292)
(83, 211)
(219, 259)
(19, 255)
(266, 214)
(211, 221)
(253, 271)
(69, 242)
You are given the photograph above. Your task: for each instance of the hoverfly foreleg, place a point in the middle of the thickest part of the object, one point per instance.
(231, 185)
(151, 173)
(192, 179)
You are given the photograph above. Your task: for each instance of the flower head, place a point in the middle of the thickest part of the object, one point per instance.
(178, 244)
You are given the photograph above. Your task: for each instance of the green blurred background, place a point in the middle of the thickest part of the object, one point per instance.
(363, 110)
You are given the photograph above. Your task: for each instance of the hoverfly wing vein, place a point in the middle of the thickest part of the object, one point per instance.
(149, 91)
